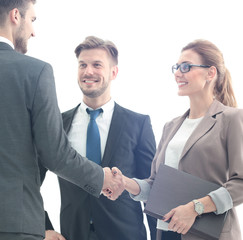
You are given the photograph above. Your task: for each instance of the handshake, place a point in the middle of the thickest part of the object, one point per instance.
(114, 183)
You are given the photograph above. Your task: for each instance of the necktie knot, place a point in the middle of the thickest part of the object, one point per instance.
(94, 113)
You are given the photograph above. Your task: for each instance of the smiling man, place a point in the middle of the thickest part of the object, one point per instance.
(126, 141)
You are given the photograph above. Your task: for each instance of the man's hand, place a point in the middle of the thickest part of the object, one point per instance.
(52, 235)
(114, 183)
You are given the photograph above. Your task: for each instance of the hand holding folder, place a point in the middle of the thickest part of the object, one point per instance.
(172, 188)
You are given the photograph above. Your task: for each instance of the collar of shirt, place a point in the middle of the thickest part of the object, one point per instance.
(107, 108)
(78, 132)
(5, 40)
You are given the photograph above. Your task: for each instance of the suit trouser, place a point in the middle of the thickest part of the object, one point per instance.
(19, 236)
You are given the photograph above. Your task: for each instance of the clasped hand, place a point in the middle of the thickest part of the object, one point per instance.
(114, 183)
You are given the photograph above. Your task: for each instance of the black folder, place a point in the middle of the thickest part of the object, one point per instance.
(172, 188)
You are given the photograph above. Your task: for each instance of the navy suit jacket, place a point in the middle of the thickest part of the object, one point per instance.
(130, 147)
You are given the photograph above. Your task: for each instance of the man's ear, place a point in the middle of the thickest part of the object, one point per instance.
(15, 15)
(114, 71)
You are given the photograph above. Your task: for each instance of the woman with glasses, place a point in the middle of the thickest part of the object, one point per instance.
(207, 141)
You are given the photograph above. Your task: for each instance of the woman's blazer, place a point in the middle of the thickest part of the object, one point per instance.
(213, 152)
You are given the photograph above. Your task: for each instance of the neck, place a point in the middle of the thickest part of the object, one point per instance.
(6, 33)
(199, 107)
(95, 103)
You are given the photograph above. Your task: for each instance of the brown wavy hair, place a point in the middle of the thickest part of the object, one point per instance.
(92, 42)
(212, 56)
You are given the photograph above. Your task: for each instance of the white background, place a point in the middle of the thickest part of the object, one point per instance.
(149, 36)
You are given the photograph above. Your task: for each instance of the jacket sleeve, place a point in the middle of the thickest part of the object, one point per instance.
(54, 150)
(234, 142)
(145, 149)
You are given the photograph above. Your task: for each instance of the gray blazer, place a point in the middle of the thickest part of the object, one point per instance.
(213, 152)
(31, 125)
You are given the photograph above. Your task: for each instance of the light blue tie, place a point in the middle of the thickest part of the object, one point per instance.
(93, 150)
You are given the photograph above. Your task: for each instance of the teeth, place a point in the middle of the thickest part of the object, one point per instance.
(87, 81)
(182, 83)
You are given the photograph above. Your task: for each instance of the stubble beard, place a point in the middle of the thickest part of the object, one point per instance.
(95, 93)
(20, 42)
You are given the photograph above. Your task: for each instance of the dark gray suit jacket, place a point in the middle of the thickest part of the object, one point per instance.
(31, 125)
(130, 147)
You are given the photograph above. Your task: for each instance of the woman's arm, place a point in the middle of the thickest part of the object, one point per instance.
(183, 217)
(131, 186)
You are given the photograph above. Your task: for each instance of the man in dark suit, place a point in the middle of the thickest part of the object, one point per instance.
(31, 126)
(127, 142)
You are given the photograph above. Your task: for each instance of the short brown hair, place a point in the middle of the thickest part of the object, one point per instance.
(92, 42)
(7, 5)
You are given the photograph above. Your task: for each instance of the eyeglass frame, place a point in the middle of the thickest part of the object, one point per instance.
(178, 66)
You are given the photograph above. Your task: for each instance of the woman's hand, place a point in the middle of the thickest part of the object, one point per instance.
(181, 218)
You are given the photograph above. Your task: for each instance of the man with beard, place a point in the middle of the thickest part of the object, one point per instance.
(126, 141)
(31, 128)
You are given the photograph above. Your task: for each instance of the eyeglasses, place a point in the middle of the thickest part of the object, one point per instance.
(186, 67)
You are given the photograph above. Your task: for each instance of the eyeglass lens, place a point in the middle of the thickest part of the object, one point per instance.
(184, 67)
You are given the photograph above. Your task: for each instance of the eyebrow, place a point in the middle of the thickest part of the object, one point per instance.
(188, 62)
(96, 61)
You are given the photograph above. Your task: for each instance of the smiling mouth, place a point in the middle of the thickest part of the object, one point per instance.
(90, 81)
(180, 84)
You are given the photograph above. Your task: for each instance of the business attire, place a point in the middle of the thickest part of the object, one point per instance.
(129, 145)
(212, 152)
(31, 127)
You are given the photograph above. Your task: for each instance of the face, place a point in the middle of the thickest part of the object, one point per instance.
(193, 82)
(25, 30)
(95, 73)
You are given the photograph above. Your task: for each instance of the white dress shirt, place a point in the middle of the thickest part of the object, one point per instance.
(78, 132)
(5, 40)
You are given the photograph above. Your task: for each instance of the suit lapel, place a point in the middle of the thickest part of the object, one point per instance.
(67, 118)
(116, 127)
(117, 124)
(204, 126)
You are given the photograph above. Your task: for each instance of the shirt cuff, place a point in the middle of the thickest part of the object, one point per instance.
(101, 192)
(222, 200)
(144, 191)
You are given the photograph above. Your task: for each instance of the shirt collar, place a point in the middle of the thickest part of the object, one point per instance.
(107, 108)
(5, 40)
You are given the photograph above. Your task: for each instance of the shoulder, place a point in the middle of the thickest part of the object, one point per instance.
(69, 113)
(129, 113)
(30, 64)
(233, 115)
(230, 111)
(176, 120)
(28, 59)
